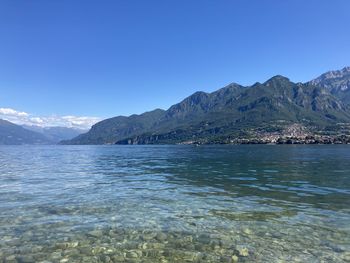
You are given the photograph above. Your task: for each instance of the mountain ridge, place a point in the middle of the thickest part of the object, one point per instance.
(233, 110)
(13, 134)
(55, 134)
(337, 82)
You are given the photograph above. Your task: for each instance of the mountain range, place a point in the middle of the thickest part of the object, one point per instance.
(55, 134)
(13, 134)
(320, 106)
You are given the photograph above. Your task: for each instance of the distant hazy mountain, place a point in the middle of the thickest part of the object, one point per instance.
(56, 134)
(336, 82)
(14, 134)
(230, 111)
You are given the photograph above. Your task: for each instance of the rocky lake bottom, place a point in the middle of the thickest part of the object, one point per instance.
(230, 203)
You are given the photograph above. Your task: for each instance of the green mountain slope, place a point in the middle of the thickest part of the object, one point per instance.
(14, 134)
(113, 129)
(231, 111)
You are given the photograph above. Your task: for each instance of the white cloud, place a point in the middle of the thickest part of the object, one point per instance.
(81, 121)
(24, 118)
(36, 120)
(12, 112)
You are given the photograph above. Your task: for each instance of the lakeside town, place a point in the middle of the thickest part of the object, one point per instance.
(292, 134)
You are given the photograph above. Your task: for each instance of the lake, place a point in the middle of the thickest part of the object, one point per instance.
(239, 203)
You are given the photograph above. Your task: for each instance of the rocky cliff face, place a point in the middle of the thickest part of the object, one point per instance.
(337, 82)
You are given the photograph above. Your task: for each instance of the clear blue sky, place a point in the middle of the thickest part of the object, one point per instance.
(107, 58)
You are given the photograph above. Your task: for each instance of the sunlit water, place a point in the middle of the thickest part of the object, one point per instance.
(175, 203)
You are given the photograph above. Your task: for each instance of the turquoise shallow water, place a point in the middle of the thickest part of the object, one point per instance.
(248, 203)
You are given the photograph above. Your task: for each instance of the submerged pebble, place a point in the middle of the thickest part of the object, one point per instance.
(243, 251)
(234, 258)
(173, 205)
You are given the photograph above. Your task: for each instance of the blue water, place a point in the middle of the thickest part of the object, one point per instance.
(248, 203)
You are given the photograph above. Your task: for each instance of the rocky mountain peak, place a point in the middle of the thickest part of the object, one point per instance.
(278, 79)
(335, 81)
(346, 69)
(336, 73)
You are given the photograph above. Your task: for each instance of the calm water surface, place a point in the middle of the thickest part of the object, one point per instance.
(175, 203)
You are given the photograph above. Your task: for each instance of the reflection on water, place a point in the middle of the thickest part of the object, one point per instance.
(175, 203)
